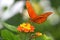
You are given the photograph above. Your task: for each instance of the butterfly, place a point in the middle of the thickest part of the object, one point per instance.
(34, 17)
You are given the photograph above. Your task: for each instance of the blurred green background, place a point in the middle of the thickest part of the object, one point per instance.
(54, 30)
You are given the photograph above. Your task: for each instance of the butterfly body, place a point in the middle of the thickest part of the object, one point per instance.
(34, 17)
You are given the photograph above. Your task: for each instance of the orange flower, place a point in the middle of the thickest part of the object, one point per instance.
(25, 27)
(38, 34)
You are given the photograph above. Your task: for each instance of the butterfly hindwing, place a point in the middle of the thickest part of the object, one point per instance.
(46, 14)
(39, 19)
(42, 18)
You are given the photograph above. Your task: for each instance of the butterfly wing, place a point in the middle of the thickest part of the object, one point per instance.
(46, 14)
(39, 19)
(31, 12)
(42, 18)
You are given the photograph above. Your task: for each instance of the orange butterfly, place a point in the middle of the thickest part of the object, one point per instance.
(34, 17)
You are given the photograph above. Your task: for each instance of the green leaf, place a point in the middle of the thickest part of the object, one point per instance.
(38, 38)
(7, 35)
(43, 37)
(47, 37)
(24, 36)
(10, 27)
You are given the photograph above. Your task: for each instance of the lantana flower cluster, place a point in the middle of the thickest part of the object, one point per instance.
(27, 27)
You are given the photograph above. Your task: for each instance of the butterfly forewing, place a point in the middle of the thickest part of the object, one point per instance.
(31, 12)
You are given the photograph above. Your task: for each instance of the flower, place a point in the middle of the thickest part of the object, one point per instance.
(38, 34)
(25, 27)
(9, 8)
(13, 10)
(7, 3)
